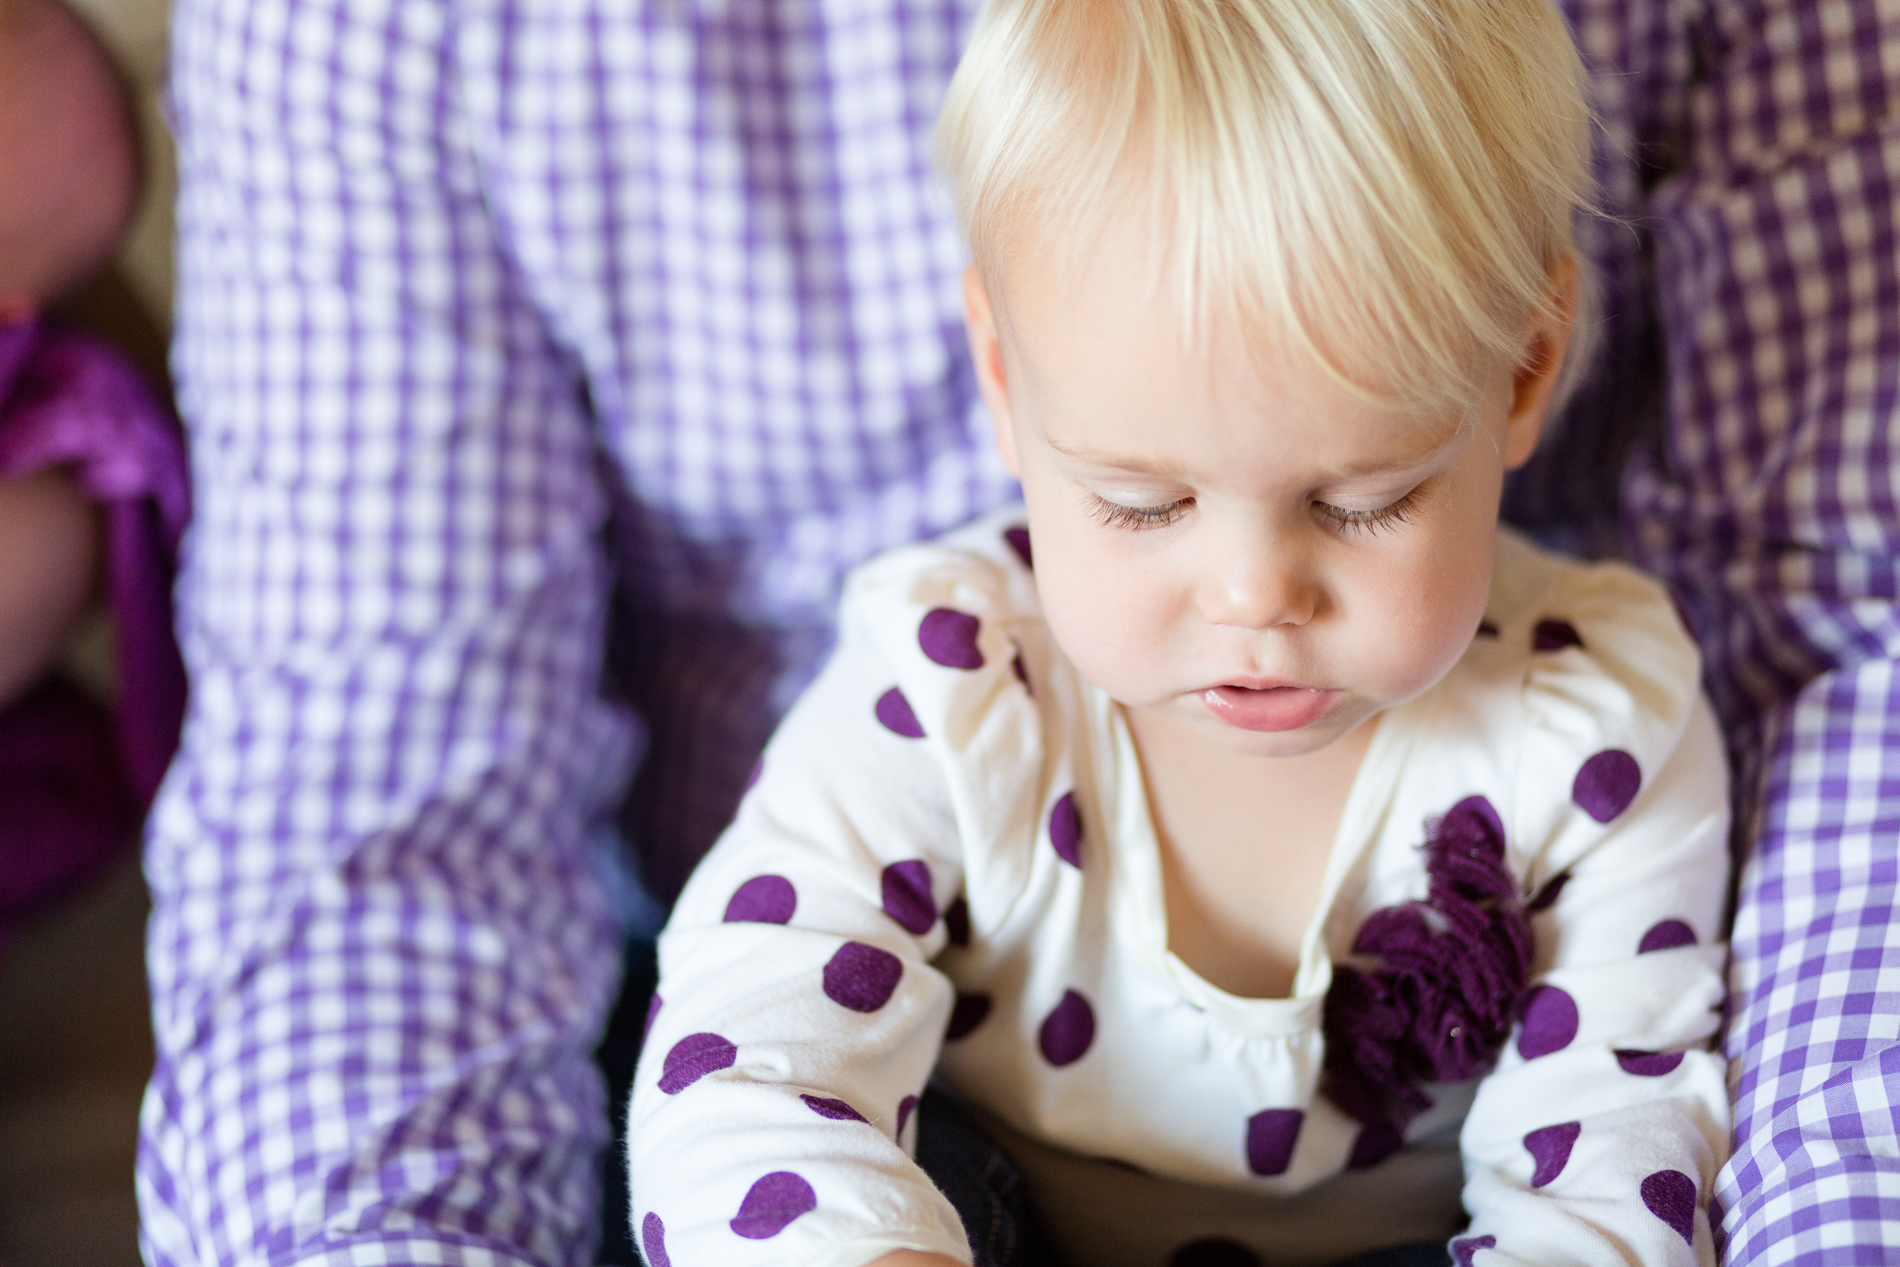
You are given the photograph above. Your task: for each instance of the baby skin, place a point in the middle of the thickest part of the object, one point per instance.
(68, 178)
(1253, 583)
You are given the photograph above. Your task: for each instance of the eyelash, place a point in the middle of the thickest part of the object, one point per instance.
(1375, 521)
(1115, 515)
(1136, 518)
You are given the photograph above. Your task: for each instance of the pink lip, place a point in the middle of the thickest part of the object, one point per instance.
(1269, 706)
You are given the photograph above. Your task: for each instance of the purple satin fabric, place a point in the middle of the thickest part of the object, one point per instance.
(76, 778)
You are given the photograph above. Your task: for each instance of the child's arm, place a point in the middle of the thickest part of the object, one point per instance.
(1598, 1138)
(799, 1014)
(49, 545)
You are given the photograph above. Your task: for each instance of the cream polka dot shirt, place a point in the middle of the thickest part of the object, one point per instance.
(946, 868)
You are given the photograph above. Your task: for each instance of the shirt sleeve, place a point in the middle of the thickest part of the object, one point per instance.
(799, 1015)
(1598, 1137)
(1770, 507)
(378, 955)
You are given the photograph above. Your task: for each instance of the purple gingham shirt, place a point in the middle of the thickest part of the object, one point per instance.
(543, 354)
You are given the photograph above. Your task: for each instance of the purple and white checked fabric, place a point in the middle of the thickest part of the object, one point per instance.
(532, 344)
(1765, 193)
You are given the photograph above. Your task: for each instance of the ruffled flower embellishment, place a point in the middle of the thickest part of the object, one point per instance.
(1450, 983)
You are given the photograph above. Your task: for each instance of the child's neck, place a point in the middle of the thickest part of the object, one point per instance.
(1245, 843)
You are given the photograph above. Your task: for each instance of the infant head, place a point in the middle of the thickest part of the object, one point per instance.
(68, 158)
(1267, 298)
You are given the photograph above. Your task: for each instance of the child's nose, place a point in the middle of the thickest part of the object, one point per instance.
(1259, 584)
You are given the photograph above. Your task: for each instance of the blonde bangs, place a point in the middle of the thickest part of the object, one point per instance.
(1389, 184)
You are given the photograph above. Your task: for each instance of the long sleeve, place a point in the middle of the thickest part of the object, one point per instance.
(487, 307)
(378, 956)
(1770, 507)
(799, 1015)
(1598, 1137)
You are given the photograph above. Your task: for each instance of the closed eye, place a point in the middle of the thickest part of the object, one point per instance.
(1115, 515)
(1354, 522)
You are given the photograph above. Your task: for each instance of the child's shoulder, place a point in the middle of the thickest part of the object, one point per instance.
(1608, 687)
(1528, 578)
(1566, 620)
(983, 569)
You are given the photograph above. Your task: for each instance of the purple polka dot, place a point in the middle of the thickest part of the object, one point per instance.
(1647, 1064)
(1065, 830)
(836, 1110)
(1555, 635)
(1374, 1143)
(1067, 1031)
(907, 896)
(862, 977)
(653, 1014)
(1607, 784)
(1215, 1251)
(968, 1012)
(764, 899)
(1466, 1247)
(1487, 630)
(771, 1204)
(905, 1108)
(653, 1240)
(758, 768)
(956, 922)
(1018, 538)
(896, 715)
(1548, 895)
(1550, 1022)
(1670, 1196)
(1271, 1134)
(1667, 935)
(1549, 1147)
(948, 637)
(692, 1058)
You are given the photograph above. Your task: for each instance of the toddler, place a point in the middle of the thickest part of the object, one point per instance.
(1279, 861)
(92, 483)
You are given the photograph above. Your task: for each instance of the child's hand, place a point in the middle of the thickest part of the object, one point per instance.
(49, 548)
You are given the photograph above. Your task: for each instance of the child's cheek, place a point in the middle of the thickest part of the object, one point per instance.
(1100, 611)
(1436, 599)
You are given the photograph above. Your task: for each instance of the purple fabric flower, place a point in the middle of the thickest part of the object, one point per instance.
(75, 778)
(1450, 981)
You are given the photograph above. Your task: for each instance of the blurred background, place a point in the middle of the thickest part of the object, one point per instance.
(75, 1039)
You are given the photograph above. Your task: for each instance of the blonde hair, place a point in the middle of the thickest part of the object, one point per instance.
(1389, 183)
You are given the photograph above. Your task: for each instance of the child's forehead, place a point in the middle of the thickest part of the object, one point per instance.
(1095, 312)
(1402, 449)
(1260, 424)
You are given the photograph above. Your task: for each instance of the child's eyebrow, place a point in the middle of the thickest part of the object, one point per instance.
(1422, 456)
(1114, 461)
(1404, 462)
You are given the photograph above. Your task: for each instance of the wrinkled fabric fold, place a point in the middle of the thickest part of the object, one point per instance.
(76, 775)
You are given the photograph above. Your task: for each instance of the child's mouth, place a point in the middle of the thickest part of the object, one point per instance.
(1269, 708)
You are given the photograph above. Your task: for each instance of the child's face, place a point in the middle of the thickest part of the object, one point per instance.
(1236, 541)
(68, 159)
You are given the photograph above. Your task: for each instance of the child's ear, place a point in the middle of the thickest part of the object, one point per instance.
(1541, 365)
(986, 349)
